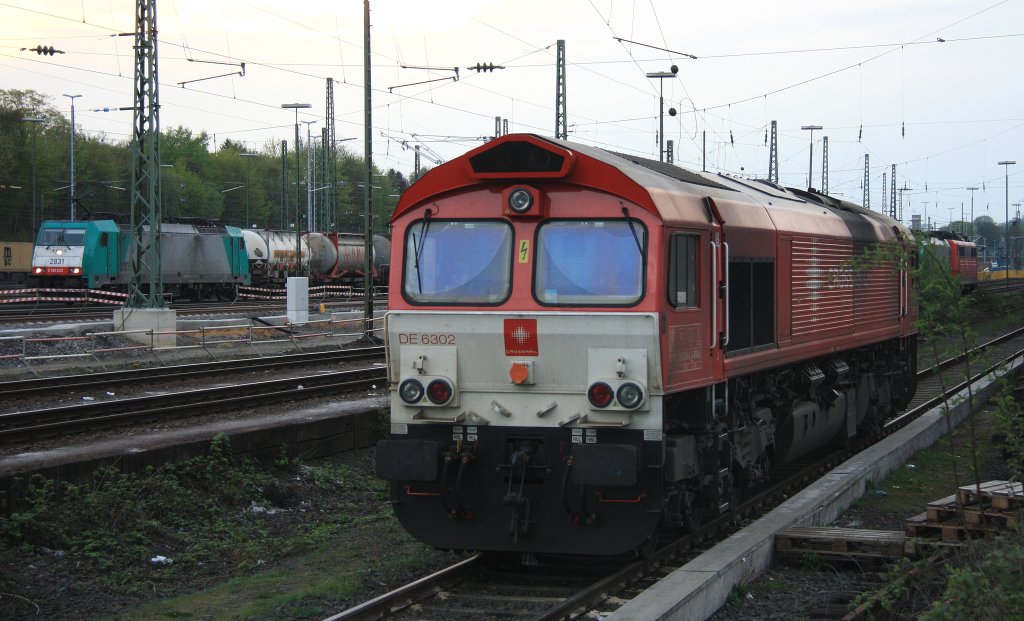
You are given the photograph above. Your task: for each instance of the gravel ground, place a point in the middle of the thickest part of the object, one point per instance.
(797, 588)
(131, 359)
(785, 592)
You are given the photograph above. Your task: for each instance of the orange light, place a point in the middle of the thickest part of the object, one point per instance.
(519, 372)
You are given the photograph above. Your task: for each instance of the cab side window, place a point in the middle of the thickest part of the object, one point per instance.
(682, 270)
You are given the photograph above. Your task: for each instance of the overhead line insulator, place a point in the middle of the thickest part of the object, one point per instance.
(43, 50)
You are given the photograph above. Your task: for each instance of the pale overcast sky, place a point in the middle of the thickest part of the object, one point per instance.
(933, 86)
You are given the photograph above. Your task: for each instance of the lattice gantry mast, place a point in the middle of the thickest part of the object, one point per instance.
(561, 121)
(867, 183)
(892, 195)
(330, 156)
(824, 165)
(773, 155)
(145, 288)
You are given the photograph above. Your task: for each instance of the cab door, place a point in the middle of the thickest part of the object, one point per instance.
(694, 315)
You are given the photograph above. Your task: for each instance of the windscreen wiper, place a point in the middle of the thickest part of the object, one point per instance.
(418, 251)
(636, 238)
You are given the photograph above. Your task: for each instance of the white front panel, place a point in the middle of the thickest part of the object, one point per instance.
(57, 259)
(567, 352)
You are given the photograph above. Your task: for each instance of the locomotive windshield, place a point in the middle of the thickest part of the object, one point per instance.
(590, 262)
(61, 237)
(466, 262)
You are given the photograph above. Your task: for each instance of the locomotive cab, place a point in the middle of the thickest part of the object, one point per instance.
(584, 345)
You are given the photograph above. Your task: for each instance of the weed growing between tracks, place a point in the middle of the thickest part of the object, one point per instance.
(216, 538)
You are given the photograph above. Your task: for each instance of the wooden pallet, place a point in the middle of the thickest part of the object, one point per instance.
(941, 511)
(999, 494)
(948, 530)
(842, 542)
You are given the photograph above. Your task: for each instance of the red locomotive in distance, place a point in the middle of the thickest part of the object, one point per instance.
(960, 254)
(585, 346)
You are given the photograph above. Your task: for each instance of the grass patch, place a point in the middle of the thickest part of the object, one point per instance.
(928, 476)
(211, 537)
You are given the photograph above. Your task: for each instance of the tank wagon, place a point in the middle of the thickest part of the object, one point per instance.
(585, 347)
(197, 260)
(331, 257)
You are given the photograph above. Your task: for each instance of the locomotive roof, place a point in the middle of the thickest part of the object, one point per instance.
(655, 185)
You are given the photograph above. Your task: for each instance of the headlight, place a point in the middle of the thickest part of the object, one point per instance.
(520, 200)
(75, 270)
(411, 391)
(630, 395)
(439, 392)
(38, 270)
(600, 394)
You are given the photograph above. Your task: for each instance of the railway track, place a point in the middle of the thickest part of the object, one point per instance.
(58, 421)
(90, 312)
(40, 385)
(466, 584)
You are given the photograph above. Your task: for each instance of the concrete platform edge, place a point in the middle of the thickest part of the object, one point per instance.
(699, 588)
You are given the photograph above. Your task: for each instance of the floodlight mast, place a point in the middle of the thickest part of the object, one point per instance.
(1006, 243)
(810, 159)
(298, 173)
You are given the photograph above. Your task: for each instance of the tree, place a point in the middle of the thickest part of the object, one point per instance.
(16, 154)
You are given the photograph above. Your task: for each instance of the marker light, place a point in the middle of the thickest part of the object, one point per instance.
(439, 392)
(519, 373)
(600, 394)
(520, 200)
(630, 395)
(411, 391)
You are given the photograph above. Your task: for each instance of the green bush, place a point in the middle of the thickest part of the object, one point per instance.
(991, 590)
(193, 512)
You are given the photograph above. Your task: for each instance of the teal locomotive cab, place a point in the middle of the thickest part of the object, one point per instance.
(101, 261)
(238, 257)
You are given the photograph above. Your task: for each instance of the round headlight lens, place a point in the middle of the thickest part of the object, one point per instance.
(411, 391)
(520, 200)
(600, 394)
(439, 392)
(630, 395)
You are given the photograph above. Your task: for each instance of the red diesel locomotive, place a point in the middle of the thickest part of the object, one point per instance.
(585, 346)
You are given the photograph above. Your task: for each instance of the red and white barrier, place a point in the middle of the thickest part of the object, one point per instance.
(99, 296)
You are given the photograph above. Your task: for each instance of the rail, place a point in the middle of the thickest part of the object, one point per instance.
(34, 349)
(117, 298)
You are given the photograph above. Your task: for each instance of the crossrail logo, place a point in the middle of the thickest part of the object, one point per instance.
(521, 337)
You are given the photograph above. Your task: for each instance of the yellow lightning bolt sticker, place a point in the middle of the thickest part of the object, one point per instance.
(524, 251)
